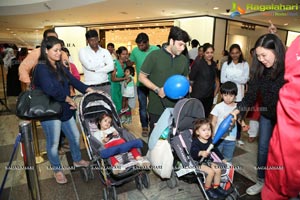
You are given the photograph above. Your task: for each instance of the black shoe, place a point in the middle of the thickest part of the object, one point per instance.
(221, 191)
(212, 193)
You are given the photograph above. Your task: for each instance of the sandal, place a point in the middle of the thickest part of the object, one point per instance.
(82, 163)
(60, 178)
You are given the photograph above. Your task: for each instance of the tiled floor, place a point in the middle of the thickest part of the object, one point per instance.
(76, 189)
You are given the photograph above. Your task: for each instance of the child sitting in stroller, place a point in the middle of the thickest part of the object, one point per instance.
(201, 140)
(109, 136)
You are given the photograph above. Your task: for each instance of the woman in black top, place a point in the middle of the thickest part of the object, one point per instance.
(204, 80)
(266, 77)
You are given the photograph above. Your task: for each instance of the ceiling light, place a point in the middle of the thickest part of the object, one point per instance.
(138, 17)
(216, 8)
(7, 29)
(285, 24)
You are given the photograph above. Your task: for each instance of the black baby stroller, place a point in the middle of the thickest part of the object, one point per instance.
(180, 125)
(91, 106)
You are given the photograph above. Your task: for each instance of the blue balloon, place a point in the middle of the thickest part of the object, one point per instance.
(176, 87)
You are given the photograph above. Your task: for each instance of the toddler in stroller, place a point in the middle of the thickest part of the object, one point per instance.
(109, 137)
(93, 107)
(180, 121)
(201, 141)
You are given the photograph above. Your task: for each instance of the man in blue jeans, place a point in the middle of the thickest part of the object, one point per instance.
(138, 55)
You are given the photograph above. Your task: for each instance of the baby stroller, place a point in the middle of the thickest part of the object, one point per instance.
(180, 127)
(91, 106)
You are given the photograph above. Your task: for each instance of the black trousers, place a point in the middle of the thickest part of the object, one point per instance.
(207, 104)
(152, 120)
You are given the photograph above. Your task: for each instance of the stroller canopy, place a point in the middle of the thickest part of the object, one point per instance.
(185, 112)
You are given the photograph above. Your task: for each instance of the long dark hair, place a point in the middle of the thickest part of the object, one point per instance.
(47, 44)
(235, 46)
(120, 50)
(273, 43)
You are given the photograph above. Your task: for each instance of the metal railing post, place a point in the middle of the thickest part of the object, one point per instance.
(29, 159)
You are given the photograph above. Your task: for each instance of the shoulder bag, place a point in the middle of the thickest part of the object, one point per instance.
(34, 104)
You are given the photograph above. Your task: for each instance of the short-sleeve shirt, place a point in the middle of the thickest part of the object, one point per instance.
(159, 66)
(221, 110)
(138, 57)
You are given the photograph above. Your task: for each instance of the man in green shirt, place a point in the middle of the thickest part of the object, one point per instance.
(159, 66)
(138, 55)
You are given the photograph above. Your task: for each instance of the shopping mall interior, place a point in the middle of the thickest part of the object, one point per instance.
(119, 22)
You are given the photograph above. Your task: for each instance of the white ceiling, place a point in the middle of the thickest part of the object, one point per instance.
(23, 22)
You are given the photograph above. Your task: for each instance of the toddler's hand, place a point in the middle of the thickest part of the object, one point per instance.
(205, 154)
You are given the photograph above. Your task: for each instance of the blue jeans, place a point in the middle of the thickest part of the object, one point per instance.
(227, 147)
(52, 129)
(266, 127)
(142, 96)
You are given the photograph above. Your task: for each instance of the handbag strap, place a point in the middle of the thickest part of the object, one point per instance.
(32, 80)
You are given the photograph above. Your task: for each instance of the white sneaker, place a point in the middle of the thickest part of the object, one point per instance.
(240, 142)
(255, 189)
(118, 169)
(144, 163)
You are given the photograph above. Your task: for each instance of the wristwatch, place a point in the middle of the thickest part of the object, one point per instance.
(156, 90)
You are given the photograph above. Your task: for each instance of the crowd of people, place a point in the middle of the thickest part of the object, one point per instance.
(241, 88)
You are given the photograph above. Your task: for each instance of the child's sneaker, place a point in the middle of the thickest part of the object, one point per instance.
(240, 143)
(118, 169)
(143, 162)
(211, 193)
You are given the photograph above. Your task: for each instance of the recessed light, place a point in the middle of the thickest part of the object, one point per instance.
(216, 8)
(286, 24)
(7, 29)
(138, 17)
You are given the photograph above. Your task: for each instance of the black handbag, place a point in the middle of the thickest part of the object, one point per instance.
(34, 104)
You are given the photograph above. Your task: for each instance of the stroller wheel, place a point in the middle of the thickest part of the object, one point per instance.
(145, 180)
(90, 173)
(138, 183)
(173, 181)
(105, 194)
(230, 197)
(113, 193)
(84, 174)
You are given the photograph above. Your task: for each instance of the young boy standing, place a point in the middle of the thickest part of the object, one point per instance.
(220, 111)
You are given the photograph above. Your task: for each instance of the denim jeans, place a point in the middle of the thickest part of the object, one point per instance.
(52, 129)
(227, 147)
(142, 96)
(266, 127)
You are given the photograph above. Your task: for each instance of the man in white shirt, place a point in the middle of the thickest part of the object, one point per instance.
(193, 53)
(97, 63)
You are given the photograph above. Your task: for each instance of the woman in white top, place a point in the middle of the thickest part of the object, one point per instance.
(236, 69)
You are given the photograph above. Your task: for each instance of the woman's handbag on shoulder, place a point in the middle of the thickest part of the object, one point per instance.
(35, 104)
